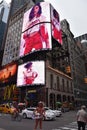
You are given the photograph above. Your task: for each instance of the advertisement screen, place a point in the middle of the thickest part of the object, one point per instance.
(56, 28)
(37, 38)
(37, 14)
(36, 29)
(8, 73)
(31, 73)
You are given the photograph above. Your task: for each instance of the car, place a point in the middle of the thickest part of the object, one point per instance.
(5, 108)
(57, 113)
(49, 115)
(28, 113)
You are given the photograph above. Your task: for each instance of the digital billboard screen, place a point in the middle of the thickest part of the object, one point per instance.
(37, 14)
(56, 27)
(31, 73)
(35, 39)
(41, 24)
(8, 73)
(36, 29)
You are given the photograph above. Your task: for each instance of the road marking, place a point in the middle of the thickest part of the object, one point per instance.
(65, 128)
(70, 126)
(2, 129)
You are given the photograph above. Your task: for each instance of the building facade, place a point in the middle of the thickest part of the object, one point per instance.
(83, 40)
(77, 64)
(59, 85)
(4, 12)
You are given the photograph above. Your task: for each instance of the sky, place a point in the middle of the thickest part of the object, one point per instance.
(7, 1)
(74, 11)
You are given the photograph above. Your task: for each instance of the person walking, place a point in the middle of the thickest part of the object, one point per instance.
(39, 113)
(82, 118)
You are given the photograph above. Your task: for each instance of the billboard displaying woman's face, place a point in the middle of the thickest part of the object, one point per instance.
(37, 14)
(39, 26)
(36, 30)
(31, 73)
(56, 28)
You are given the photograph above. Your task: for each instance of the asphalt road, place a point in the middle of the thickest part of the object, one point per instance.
(28, 124)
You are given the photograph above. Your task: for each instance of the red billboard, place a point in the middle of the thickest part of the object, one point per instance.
(39, 40)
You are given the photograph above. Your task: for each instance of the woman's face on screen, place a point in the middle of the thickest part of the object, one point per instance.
(36, 9)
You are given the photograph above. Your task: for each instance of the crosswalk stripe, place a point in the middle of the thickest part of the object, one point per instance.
(70, 126)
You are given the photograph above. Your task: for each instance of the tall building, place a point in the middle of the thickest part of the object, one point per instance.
(17, 4)
(4, 12)
(13, 34)
(83, 40)
(81, 37)
(59, 86)
(84, 44)
(77, 64)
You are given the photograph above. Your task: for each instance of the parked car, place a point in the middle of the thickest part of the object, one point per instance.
(28, 113)
(57, 113)
(5, 108)
(49, 115)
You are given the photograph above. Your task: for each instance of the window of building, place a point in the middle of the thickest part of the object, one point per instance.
(58, 88)
(63, 84)
(51, 81)
(71, 88)
(67, 86)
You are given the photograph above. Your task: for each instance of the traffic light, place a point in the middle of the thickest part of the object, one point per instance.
(85, 80)
(68, 69)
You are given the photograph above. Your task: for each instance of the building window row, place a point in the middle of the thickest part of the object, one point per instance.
(60, 84)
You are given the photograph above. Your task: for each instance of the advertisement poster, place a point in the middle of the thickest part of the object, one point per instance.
(36, 29)
(31, 73)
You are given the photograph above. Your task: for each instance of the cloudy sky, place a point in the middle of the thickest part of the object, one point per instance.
(75, 13)
(8, 1)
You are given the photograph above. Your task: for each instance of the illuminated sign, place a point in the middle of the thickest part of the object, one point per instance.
(8, 73)
(31, 73)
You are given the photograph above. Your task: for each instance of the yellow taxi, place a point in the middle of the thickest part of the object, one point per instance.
(5, 108)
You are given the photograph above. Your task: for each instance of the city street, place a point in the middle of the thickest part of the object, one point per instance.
(66, 122)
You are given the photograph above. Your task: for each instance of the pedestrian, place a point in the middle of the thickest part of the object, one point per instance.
(39, 113)
(82, 118)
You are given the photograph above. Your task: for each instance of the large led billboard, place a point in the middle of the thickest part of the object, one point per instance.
(36, 29)
(41, 23)
(8, 73)
(56, 27)
(39, 13)
(32, 41)
(31, 73)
